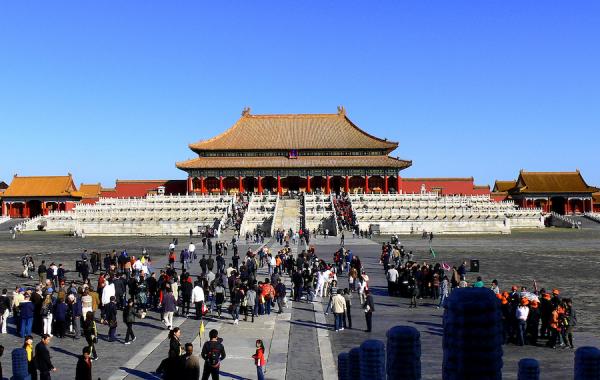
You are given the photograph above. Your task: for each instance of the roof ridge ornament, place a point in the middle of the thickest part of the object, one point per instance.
(341, 110)
(246, 111)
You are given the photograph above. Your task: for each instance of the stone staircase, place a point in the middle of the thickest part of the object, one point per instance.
(586, 222)
(287, 215)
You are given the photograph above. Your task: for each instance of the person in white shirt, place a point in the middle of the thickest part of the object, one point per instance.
(191, 250)
(392, 278)
(522, 314)
(198, 299)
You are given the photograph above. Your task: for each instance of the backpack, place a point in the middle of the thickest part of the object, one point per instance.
(214, 355)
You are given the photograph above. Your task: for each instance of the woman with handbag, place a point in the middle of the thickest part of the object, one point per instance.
(90, 332)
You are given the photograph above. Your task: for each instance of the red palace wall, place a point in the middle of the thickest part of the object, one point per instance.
(140, 188)
(446, 186)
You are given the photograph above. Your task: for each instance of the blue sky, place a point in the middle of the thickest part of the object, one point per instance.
(109, 90)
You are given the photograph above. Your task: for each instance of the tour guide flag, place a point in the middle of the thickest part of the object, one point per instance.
(201, 329)
(432, 252)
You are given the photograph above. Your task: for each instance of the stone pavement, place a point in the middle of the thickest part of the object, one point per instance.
(567, 260)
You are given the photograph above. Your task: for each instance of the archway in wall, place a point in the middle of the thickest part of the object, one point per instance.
(558, 205)
(293, 183)
(357, 184)
(269, 183)
(337, 184)
(231, 185)
(318, 183)
(376, 184)
(393, 185)
(211, 184)
(250, 184)
(35, 208)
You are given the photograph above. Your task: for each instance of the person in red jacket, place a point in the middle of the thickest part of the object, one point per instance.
(259, 359)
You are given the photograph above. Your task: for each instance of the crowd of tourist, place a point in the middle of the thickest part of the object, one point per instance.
(527, 315)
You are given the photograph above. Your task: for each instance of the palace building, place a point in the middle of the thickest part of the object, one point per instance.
(560, 192)
(27, 197)
(324, 153)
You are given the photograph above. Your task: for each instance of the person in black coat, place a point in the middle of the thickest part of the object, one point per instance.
(111, 319)
(42, 358)
(369, 308)
(83, 370)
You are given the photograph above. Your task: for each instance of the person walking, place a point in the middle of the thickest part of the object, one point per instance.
(280, 293)
(42, 358)
(169, 306)
(30, 350)
(111, 319)
(4, 310)
(369, 308)
(250, 303)
(26, 309)
(129, 319)
(83, 371)
(259, 359)
(213, 353)
(90, 332)
(348, 314)
(175, 352)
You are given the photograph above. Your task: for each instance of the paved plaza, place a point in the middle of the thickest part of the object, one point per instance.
(300, 343)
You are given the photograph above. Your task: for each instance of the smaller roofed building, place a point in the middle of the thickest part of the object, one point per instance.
(140, 188)
(90, 192)
(596, 201)
(27, 197)
(560, 192)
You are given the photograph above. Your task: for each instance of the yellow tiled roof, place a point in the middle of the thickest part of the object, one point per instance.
(90, 190)
(501, 186)
(42, 186)
(553, 182)
(300, 162)
(294, 131)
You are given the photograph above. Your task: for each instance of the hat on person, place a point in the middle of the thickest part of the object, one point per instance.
(514, 288)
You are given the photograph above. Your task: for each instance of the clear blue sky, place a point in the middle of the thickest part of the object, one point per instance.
(109, 90)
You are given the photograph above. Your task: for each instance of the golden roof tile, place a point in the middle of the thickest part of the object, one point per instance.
(41, 186)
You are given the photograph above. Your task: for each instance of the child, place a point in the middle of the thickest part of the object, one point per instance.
(259, 359)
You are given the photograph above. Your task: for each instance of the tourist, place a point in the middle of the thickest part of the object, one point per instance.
(333, 291)
(522, 313)
(479, 283)
(111, 319)
(191, 364)
(90, 332)
(444, 291)
(175, 353)
(83, 371)
(30, 350)
(42, 358)
(169, 305)
(369, 307)
(186, 294)
(259, 359)
(236, 295)
(4, 310)
(60, 317)
(198, 299)
(250, 299)
(338, 307)
(348, 315)
(392, 279)
(495, 287)
(280, 294)
(129, 319)
(42, 270)
(570, 321)
(213, 353)
(26, 309)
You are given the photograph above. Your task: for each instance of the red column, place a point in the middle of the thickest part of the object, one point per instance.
(308, 184)
(385, 184)
(279, 185)
(399, 186)
(202, 189)
(241, 184)
(220, 184)
(189, 185)
(260, 189)
(327, 188)
(366, 184)
(347, 187)
(566, 206)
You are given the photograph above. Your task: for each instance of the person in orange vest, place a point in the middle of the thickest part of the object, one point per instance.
(554, 328)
